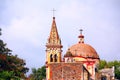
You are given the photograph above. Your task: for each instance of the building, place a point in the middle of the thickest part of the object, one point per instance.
(79, 63)
(107, 74)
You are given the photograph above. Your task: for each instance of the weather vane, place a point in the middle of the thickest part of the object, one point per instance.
(53, 12)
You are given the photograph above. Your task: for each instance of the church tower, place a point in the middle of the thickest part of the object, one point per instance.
(53, 48)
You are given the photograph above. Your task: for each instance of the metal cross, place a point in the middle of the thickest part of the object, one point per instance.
(81, 31)
(53, 12)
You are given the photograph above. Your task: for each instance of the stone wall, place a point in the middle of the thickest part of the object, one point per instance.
(66, 71)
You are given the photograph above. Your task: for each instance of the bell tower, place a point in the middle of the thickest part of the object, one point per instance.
(53, 46)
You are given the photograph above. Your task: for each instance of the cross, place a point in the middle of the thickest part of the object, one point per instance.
(81, 31)
(53, 12)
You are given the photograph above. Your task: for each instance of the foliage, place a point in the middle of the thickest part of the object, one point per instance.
(11, 64)
(116, 64)
(38, 74)
(5, 75)
(103, 64)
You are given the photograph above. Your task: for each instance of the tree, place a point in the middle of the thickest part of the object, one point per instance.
(38, 74)
(11, 64)
(102, 64)
(5, 75)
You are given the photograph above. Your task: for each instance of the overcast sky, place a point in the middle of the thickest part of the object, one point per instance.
(26, 26)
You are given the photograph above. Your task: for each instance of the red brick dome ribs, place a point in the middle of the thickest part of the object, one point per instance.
(83, 50)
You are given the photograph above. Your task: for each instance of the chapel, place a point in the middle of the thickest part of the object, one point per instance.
(80, 62)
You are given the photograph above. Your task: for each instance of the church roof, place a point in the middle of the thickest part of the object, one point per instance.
(82, 49)
(68, 54)
(54, 39)
(109, 71)
(54, 31)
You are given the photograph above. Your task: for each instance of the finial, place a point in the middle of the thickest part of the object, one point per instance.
(53, 12)
(81, 31)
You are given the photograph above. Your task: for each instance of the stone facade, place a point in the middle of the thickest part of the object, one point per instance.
(68, 71)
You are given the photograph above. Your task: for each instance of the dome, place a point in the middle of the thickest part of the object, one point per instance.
(68, 54)
(84, 50)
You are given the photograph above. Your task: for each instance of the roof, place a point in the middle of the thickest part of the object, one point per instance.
(109, 71)
(84, 50)
(54, 39)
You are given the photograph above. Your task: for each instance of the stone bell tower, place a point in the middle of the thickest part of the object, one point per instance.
(53, 48)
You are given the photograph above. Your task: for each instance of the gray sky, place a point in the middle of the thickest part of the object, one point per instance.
(26, 26)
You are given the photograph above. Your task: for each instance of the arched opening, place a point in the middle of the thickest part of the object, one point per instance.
(51, 58)
(103, 78)
(55, 57)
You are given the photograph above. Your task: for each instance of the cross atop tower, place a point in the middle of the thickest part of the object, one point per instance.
(53, 12)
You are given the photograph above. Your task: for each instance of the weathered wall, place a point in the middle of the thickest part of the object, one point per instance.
(66, 71)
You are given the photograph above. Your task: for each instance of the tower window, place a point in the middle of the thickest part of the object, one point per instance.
(51, 58)
(55, 58)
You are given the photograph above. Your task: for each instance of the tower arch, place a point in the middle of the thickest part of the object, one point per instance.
(55, 58)
(51, 58)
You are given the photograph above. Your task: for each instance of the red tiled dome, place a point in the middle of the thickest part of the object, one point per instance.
(84, 50)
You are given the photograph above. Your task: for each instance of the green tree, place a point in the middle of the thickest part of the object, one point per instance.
(5, 75)
(11, 63)
(38, 74)
(102, 64)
